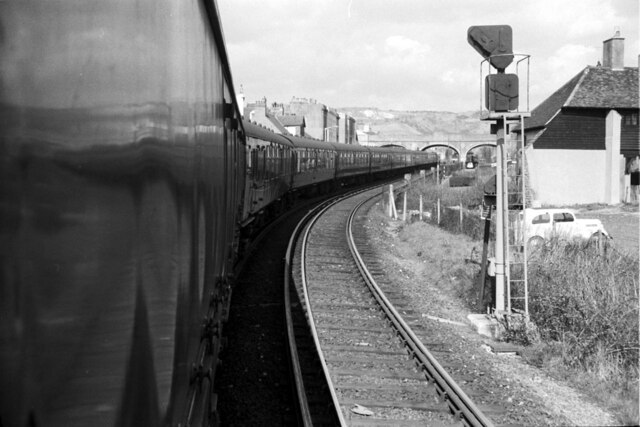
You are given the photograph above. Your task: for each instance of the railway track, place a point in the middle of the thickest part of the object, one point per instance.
(373, 365)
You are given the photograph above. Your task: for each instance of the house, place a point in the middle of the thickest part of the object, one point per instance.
(347, 132)
(259, 113)
(295, 124)
(583, 143)
(321, 122)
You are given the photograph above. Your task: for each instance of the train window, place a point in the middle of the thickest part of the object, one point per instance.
(250, 162)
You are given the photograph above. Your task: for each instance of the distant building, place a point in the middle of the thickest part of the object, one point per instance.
(293, 123)
(303, 117)
(259, 113)
(583, 143)
(347, 131)
(332, 127)
(321, 122)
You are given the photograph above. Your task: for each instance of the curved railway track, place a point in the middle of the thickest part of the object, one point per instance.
(375, 368)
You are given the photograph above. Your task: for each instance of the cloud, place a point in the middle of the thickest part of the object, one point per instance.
(411, 53)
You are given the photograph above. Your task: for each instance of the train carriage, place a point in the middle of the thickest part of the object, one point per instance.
(352, 162)
(120, 190)
(126, 177)
(314, 163)
(380, 159)
(270, 169)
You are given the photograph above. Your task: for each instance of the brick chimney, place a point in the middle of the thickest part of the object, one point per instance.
(613, 52)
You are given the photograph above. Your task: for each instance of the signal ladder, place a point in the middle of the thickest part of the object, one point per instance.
(516, 255)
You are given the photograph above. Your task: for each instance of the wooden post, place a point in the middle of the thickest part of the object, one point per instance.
(393, 212)
(404, 207)
(483, 265)
(438, 211)
(421, 207)
(461, 217)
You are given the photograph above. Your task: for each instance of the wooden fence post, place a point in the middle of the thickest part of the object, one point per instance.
(404, 207)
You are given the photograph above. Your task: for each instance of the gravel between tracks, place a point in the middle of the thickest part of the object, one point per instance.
(428, 265)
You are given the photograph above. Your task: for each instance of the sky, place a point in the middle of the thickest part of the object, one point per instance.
(412, 54)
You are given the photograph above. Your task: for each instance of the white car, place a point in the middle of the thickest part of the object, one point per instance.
(542, 224)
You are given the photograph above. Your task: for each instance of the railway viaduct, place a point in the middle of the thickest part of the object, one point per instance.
(459, 144)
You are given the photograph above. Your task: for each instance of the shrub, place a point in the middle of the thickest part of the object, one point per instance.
(588, 300)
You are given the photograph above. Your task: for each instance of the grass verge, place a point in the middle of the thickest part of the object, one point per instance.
(584, 303)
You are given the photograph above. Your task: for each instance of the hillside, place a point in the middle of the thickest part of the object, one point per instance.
(390, 125)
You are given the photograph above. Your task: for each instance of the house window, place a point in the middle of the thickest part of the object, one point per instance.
(631, 119)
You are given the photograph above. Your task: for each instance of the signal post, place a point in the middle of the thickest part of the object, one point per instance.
(501, 90)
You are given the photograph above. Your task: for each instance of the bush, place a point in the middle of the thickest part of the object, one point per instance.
(588, 300)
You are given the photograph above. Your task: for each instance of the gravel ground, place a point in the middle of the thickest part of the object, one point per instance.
(429, 266)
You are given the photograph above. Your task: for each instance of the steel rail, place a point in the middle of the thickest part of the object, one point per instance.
(307, 221)
(303, 403)
(460, 404)
(309, 311)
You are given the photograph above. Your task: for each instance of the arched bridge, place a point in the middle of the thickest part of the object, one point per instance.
(460, 144)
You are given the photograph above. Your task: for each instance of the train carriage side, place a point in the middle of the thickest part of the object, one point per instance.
(425, 160)
(353, 163)
(120, 190)
(381, 161)
(269, 171)
(314, 164)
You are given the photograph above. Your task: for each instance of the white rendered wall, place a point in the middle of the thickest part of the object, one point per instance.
(567, 177)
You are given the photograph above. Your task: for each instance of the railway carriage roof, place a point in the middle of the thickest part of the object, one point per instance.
(349, 147)
(389, 150)
(300, 142)
(253, 130)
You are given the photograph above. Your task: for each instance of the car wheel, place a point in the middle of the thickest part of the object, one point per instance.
(534, 244)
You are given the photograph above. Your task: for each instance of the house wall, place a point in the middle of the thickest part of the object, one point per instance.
(567, 177)
(347, 133)
(630, 133)
(613, 169)
(578, 129)
(315, 115)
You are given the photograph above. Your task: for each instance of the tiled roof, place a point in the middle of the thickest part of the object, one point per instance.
(593, 87)
(606, 88)
(276, 123)
(291, 120)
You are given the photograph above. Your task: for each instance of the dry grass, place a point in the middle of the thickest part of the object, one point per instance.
(585, 303)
